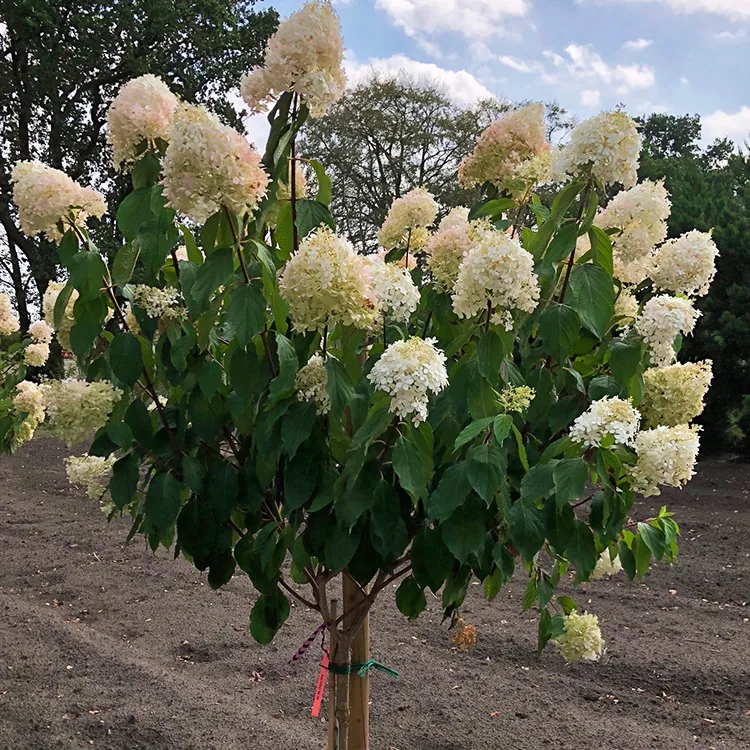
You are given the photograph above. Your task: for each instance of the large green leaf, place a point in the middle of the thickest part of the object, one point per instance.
(122, 485)
(269, 614)
(222, 489)
(559, 328)
(162, 504)
(581, 551)
(126, 358)
(310, 215)
(412, 470)
(410, 598)
(450, 493)
(464, 532)
(134, 212)
(430, 558)
(486, 470)
(592, 294)
(526, 529)
(246, 312)
(124, 263)
(212, 274)
(570, 476)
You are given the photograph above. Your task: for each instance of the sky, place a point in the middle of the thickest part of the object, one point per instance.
(673, 56)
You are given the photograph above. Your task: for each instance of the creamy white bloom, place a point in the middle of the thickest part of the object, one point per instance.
(607, 145)
(606, 565)
(674, 394)
(327, 283)
(456, 217)
(91, 472)
(208, 165)
(626, 308)
(499, 272)
(8, 322)
(76, 409)
(409, 371)
(142, 111)
(311, 384)
(608, 416)
(581, 639)
(36, 355)
(666, 456)
(507, 149)
(305, 56)
(40, 332)
(415, 210)
(686, 265)
(445, 251)
(29, 400)
(47, 197)
(659, 323)
(158, 302)
(48, 309)
(396, 294)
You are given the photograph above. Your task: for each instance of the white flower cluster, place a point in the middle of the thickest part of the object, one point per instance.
(209, 165)
(28, 400)
(606, 565)
(91, 472)
(327, 283)
(409, 371)
(513, 147)
(626, 308)
(607, 416)
(581, 639)
(48, 310)
(46, 197)
(142, 111)
(674, 394)
(8, 322)
(516, 398)
(686, 265)
(607, 145)
(411, 212)
(311, 384)
(158, 302)
(498, 271)
(305, 56)
(76, 409)
(36, 354)
(659, 323)
(640, 214)
(666, 456)
(396, 294)
(456, 217)
(41, 332)
(445, 251)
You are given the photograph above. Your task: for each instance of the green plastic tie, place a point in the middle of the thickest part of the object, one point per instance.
(362, 668)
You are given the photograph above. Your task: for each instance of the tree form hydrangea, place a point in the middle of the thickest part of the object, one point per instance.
(608, 416)
(666, 456)
(305, 56)
(311, 384)
(409, 371)
(408, 214)
(396, 294)
(686, 265)
(141, 112)
(90, 472)
(8, 322)
(606, 146)
(662, 319)
(581, 639)
(675, 394)
(327, 283)
(209, 165)
(47, 197)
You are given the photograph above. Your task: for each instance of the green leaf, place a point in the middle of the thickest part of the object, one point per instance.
(87, 274)
(120, 434)
(269, 614)
(564, 198)
(570, 476)
(388, 530)
(212, 274)
(324, 193)
(413, 471)
(627, 559)
(61, 303)
(310, 215)
(654, 539)
(493, 208)
(559, 522)
(581, 551)
(450, 493)
(486, 470)
(559, 328)
(246, 312)
(410, 598)
(124, 263)
(134, 212)
(624, 359)
(139, 420)
(283, 384)
(124, 481)
(301, 476)
(340, 546)
(538, 482)
(193, 472)
(209, 378)
(501, 427)
(222, 490)
(604, 385)
(526, 529)
(522, 457)
(464, 532)
(162, 504)
(592, 294)
(469, 433)
(126, 358)
(490, 356)
(297, 426)
(339, 385)
(563, 243)
(601, 244)
(431, 560)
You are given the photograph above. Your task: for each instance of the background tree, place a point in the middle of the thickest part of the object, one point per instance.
(392, 133)
(61, 63)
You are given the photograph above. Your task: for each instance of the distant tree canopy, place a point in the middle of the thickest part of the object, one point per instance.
(62, 61)
(392, 133)
(710, 189)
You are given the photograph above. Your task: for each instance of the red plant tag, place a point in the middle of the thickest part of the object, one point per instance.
(320, 689)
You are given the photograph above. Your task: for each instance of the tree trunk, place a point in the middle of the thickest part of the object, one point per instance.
(18, 287)
(359, 687)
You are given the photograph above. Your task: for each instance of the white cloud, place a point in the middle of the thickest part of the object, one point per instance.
(735, 126)
(475, 19)
(636, 45)
(728, 37)
(521, 66)
(730, 8)
(590, 97)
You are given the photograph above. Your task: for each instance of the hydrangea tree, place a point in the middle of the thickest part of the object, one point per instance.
(466, 403)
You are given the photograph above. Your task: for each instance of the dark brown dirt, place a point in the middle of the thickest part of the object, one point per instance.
(112, 647)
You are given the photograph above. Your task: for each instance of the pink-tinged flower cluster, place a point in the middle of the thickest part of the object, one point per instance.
(506, 148)
(48, 199)
(407, 220)
(142, 111)
(305, 56)
(209, 165)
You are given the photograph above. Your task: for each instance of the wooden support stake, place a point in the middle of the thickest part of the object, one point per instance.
(332, 681)
(359, 687)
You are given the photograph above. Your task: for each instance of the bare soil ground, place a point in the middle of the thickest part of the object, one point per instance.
(112, 647)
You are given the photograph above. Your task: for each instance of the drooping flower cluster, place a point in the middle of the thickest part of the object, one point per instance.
(209, 165)
(305, 56)
(311, 384)
(326, 283)
(36, 355)
(674, 394)
(284, 189)
(445, 251)
(47, 197)
(666, 456)
(396, 294)
(48, 309)
(409, 371)
(607, 416)
(28, 400)
(142, 111)
(606, 565)
(516, 399)
(158, 302)
(640, 214)
(8, 322)
(659, 323)
(408, 215)
(76, 409)
(607, 145)
(91, 472)
(499, 272)
(686, 265)
(581, 639)
(513, 147)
